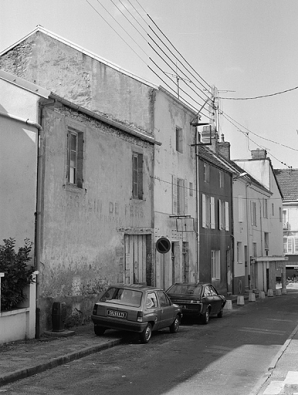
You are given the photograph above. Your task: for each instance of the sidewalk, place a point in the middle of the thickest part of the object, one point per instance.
(24, 358)
(282, 375)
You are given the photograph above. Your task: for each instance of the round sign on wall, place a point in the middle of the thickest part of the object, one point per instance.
(163, 245)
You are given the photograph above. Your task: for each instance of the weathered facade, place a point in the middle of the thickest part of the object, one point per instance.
(215, 221)
(175, 196)
(265, 245)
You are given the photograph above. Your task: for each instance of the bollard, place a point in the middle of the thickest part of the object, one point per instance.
(251, 297)
(240, 300)
(228, 305)
(278, 292)
(262, 295)
(270, 292)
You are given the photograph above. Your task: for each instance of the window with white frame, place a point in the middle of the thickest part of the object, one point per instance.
(223, 215)
(291, 245)
(215, 264)
(137, 176)
(208, 211)
(190, 189)
(75, 141)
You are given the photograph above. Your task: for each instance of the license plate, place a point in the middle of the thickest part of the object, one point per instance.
(118, 314)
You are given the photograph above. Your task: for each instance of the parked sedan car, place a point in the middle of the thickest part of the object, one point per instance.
(136, 308)
(199, 300)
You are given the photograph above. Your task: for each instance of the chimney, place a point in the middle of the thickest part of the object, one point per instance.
(209, 137)
(259, 154)
(223, 148)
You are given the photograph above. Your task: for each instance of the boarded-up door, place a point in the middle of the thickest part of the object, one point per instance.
(138, 261)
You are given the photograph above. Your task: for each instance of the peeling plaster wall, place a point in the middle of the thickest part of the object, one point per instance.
(83, 228)
(170, 113)
(81, 79)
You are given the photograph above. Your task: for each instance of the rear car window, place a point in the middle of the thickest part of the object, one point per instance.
(122, 296)
(185, 289)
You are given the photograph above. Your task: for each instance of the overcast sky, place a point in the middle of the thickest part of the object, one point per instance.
(246, 48)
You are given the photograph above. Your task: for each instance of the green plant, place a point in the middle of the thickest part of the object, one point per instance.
(17, 273)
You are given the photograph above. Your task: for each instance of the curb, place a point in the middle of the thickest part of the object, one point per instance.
(53, 363)
(273, 364)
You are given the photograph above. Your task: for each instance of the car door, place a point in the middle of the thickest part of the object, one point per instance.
(166, 310)
(217, 300)
(207, 297)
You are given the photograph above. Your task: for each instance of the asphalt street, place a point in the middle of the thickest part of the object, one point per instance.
(228, 356)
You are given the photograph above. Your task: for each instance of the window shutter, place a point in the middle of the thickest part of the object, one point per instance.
(212, 212)
(227, 216)
(68, 157)
(204, 219)
(140, 176)
(185, 197)
(219, 215)
(80, 160)
(174, 194)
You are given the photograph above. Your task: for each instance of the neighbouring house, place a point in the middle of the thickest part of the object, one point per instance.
(92, 191)
(175, 216)
(288, 182)
(265, 227)
(215, 214)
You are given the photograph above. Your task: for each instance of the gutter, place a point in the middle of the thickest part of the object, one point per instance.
(22, 120)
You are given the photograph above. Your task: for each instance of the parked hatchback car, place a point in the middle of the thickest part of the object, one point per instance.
(199, 300)
(136, 308)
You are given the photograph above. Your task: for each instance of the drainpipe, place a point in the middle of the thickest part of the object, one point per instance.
(197, 274)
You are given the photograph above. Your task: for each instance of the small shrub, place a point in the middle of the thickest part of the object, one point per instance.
(17, 273)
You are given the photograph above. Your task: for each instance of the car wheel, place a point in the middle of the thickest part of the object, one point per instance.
(99, 330)
(174, 328)
(205, 317)
(146, 334)
(220, 314)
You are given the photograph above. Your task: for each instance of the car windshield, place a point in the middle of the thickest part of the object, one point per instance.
(122, 296)
(185, 289)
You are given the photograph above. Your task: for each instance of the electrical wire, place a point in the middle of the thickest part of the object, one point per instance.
(203, 91)
(261, 96)
(116, 31)
(261, 137)
(179, 53)
(121, 27)
(258, 145)
(177, 68)
(128, 19)
(132, 14)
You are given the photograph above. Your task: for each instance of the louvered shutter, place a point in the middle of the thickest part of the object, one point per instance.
(174, 195)
(212, 208)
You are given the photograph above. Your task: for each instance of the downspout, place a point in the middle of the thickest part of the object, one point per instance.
(197, 274)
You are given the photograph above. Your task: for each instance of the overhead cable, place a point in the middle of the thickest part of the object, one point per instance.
(259, 97)
(179, 52)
